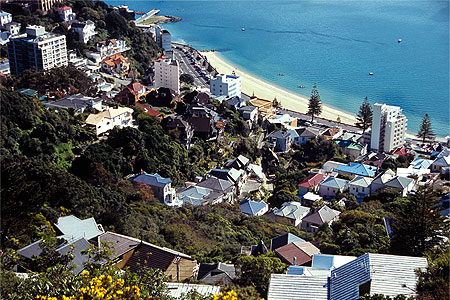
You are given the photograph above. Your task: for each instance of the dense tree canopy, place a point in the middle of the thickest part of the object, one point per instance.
(364, 116)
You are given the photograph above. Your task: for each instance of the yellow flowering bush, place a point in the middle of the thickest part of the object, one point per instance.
(101, 287)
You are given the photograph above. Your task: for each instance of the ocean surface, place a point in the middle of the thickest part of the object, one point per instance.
(335, 44)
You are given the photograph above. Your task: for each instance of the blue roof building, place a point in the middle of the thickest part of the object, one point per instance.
(357, 169)
(161, 187)
(421, 163)
(74, 228)
(331, 186)
(253, 208)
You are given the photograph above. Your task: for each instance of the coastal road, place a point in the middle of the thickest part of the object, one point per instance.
(318, 120)
(187, 67)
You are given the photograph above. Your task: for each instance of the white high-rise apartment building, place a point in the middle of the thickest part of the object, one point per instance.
(167, 74)
(37, 49)
(388, 127)
(226, 85)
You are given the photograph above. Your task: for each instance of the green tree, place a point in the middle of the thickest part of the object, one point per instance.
(425, 130)
(434, 283)
(364, 117)
(418, 225)
(187, 78)
(256, 271)
(315, 104)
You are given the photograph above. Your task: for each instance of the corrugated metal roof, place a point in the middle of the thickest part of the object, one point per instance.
(390, 275)
(178, 289)
(74, 228)
(297, 287)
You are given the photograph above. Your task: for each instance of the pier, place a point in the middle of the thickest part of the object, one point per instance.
(146, 16)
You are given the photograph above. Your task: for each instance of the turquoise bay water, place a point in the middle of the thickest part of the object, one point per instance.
(333, 43)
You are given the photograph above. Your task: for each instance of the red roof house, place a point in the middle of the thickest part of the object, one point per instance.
(310, 184)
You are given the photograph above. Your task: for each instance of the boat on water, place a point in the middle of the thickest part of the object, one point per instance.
(280, 74)
(399, 40)
(370, 73)
(301, 86)
(243, 28)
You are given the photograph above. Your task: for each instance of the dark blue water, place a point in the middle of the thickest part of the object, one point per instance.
(333, 43)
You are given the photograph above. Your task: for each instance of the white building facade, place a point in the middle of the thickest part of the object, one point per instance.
(5, 18)
(37, 49)
(167, 74)
(86, 30)
(108, 119)
(226, 85)
(388, 127)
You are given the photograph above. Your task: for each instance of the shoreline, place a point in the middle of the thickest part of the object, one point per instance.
(289, 99)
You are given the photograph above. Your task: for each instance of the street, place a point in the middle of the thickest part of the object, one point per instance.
(187, 67)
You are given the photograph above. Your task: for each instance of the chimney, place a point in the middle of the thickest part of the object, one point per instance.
(295, 261)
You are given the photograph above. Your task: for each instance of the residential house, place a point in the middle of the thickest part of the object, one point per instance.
(349, 279)
(238, 177)
(331, 186)
(107, 48)
(440, 163)
(360, 186)
(179, 128)
(304, 134)
(285, 120)
(280, 140)
(161, 187)
(253, 208)
(265, 107)
(240, 163)
(297, 253)
(134, 254)
(217, 273)
(417, 168)
(78, 102)
(115, 64)
(74, 234)
(295, 287)
(352, 149)
(75, 247)
(73, 228)
(150, 112)
(357, 169)
(65, 12)
(223, 186)
(236, 102)
(85, 30)
(309, 199)
(110, 118)
(388, 179)
(127, 96)
(5, 18)
(320, 216)
(249, 113)
(331, 133)
(13, 28)
(177, 290)
(203, 127)
(256, 172)
(28, 92)
(283, 240)
(197, 196)
(259, 249)
(202, 98)
(389, 275)
(310, 183)
(293, 211)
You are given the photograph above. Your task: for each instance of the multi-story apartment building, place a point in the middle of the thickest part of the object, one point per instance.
(388, 127)
(164, 40)
(85, 30)
(37, 49)
(167, 74)
(107, 48)
(226, 85)
(43, 5)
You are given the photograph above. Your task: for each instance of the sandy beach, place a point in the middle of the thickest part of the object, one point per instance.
(266, 90)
